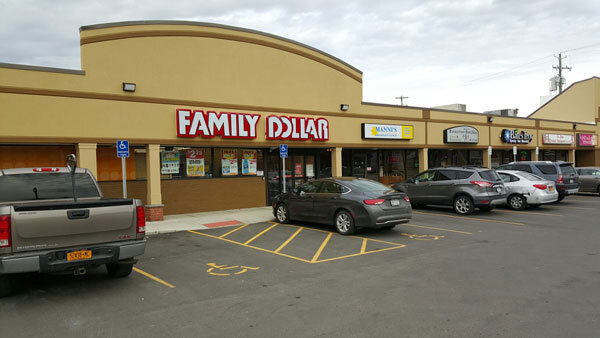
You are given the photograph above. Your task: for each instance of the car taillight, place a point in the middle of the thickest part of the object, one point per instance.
(406, 198)
(482, 184)
(374, 201)
(141, 220)
(4, 231)
(37, 170)
(560, 179)
(541, 186)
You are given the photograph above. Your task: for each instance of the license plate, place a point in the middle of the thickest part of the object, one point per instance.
(570, 181)
(550, 188)
(78, 255)
(395, 202)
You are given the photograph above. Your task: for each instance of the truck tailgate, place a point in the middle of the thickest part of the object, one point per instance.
(64, 224)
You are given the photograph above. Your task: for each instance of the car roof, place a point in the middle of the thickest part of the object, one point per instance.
(462, 168)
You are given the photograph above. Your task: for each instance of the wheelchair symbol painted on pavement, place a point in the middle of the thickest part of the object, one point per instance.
(224, 270)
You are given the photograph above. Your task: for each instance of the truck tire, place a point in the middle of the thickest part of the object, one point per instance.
(5, 286)
(119, 270)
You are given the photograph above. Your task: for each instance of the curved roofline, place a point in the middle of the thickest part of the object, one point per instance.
(214, 25)
(42, 69)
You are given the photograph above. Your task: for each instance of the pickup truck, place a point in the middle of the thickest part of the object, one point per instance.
(55, 220)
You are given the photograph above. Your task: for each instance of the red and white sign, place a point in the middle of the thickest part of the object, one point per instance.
(297, 128)
(210, 124)
(558, 139)
(587, 140)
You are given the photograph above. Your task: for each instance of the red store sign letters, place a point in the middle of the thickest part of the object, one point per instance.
(243, 126)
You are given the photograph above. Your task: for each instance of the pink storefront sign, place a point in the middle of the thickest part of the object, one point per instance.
(587, 140)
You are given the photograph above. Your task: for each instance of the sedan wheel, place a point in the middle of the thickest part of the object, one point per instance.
(282, 213)
(463, 205)
(344, 223)
(517, 202)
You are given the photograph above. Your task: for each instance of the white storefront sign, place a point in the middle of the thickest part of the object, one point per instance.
(297, 128)
(462, 134)
(387, 131)
(566, 139)
(210, 124)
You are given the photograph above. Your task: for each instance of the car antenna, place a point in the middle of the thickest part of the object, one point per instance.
(72, 165)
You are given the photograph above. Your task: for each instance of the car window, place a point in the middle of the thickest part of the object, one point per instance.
(597, 172)
(505, 167)
(489, 175)
(425, 177)
(585, 171)
(522, 167)
(462, 174)
(445, 175)
(567, 169)
(367, 185)
(531, 177)
(505, 177)
(547, 169)
(310, 187)
(329, 187)
(25, 187)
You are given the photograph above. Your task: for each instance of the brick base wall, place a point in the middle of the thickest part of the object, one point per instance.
(154, 213)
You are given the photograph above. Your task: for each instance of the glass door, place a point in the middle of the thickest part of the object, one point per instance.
(273, 176)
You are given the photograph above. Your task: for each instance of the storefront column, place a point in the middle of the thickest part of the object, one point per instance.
(487, 158)
(154, 206)
(572, 156)
(86, 157)
(336, 162)
(536, 154)
(423, 159)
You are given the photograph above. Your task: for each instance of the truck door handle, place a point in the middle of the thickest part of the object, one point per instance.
(78, 214)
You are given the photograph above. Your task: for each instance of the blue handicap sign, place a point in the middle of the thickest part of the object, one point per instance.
(122, 148)
(283, 150)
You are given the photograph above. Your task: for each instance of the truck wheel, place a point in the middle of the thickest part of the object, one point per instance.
(5, 287)
(116, 270)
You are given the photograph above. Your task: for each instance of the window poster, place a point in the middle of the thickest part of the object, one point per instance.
(249, 161)
(195, 162)
(298, 170)
(169, 162)
(229, 162)
(310, 170)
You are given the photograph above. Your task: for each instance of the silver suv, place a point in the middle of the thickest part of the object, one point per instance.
(464, 188)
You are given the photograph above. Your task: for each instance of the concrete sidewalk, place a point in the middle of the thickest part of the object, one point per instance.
(210, 219)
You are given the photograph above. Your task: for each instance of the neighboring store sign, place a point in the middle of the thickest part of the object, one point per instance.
(297, 128)
(386, 131)
(515, 136)
(169, 162)
(462, 134)
(558, 139)
(195, 162)
(587, 140)
(210, 124)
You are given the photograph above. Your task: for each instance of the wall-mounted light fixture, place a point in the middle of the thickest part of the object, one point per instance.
(344, 107)
(128, 87)
(574, 125)
(491, 119)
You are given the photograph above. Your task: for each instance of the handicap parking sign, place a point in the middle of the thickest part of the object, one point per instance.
(283, 150)
(122, 148)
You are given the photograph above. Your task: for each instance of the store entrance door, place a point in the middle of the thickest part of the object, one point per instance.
(300, 166)
(365, 164)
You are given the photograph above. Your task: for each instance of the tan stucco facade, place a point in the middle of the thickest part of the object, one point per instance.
(195, 66)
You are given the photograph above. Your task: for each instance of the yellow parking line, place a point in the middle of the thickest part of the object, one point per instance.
(318, 253)
(363, 246)
(579, 208)
(468, 218)
(234, 230)
(250, 246)
(527, 212)
(260, 233)
(154, 278)
(359, 254)
(441, 229)
(288, 240)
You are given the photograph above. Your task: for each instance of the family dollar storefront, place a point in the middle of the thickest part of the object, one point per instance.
(205, 108)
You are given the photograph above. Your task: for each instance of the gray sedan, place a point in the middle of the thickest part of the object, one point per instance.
(349, 203)
(525, 189)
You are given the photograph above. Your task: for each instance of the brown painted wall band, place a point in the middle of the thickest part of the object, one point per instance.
(142, 34)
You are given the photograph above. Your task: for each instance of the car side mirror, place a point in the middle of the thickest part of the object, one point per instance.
(416, 181)
(302, 193)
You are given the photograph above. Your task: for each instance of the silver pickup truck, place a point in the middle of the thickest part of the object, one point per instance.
(56, 220)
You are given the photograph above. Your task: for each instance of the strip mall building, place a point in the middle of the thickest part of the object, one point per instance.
(212, 104)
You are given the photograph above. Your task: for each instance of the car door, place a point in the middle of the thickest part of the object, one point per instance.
(326, 201)
(301, 201)
(418, 188)
(510, 182)
(440, 189)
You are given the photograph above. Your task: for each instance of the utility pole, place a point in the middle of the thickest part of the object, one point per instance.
(401, 98)
(560, 68)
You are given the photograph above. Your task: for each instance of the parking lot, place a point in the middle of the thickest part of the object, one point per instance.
(532, 273)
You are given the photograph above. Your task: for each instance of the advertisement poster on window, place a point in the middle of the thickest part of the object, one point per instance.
(229, 163)
(169, 162)
(195, 162)
(310, 170)
(249, 160)
(298, 170)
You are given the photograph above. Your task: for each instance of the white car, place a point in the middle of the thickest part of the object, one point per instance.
(525, 189)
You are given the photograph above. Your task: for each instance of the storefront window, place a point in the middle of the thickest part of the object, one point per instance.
(504, 156)
(455, 158)
(230, 162)
(554, 155)
(398, 165)
(186, 162)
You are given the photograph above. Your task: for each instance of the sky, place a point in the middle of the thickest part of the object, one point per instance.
(486, 54)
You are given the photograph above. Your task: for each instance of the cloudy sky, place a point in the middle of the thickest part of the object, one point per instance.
(483, 53)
